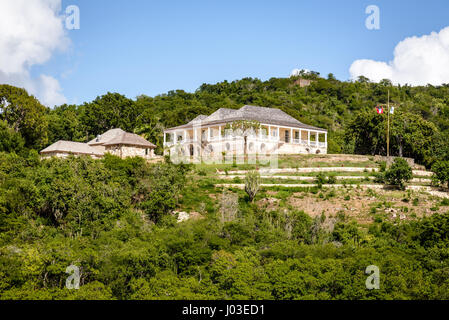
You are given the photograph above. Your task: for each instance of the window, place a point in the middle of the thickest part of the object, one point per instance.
(287, 136)
(146, 152)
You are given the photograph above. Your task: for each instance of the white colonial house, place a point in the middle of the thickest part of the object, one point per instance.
(278, 133)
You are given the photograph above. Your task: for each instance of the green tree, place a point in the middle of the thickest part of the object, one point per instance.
(399, 173)
(24, 114)
(109, 111)
(64, 123)
(441, 172)
(412, 136)
(160, 190)
(10, 140)
(367, 131)
(152, 130)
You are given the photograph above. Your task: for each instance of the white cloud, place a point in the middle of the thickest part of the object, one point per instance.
(30, 32)
(298, 72)
(417, 61)
(50, 90)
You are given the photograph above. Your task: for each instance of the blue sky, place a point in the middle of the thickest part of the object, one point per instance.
(150, 47)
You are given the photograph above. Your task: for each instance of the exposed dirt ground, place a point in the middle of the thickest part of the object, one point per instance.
(362, 205)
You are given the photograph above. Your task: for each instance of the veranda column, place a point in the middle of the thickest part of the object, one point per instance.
(325, 139)
(219, 133)
(291, 136)
(165, 138)
(317, 139)
(185, 136)
(279, 134)
(175, 137)
(269, 133)
(195, 134)
(208, 134)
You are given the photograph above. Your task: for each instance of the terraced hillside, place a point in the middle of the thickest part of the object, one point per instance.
(327, 186)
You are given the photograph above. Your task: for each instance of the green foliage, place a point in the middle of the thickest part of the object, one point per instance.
(109, 111)
(10, 140)
(24, 114)
(112, 217)
(257, 255)
(441, 172)
(331, 179)
(320, 179)
(347, 233)
(433, 231)
(418, 127)
(160, 190)
(399, 173)
(252, 184)
(379, 177)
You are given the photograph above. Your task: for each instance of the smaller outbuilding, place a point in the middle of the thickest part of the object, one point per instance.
(123, 144)
(115, 141)
(63, 149)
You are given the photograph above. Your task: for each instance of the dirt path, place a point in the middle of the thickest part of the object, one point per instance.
(422, 173)
(306, 170)
(305, 178)
(431, 190)
(322, 169)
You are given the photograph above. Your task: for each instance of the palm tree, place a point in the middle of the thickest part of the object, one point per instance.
(153, 132)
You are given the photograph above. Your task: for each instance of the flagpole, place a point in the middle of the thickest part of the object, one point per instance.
(388, 126)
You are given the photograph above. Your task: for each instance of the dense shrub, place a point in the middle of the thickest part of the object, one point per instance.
(399, 173)
(441, 172)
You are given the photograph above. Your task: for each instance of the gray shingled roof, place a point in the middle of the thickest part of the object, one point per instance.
(129, 139)
(200, 118)
(72, 147)
(252, 113)
(120, 137)
(105, 137)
